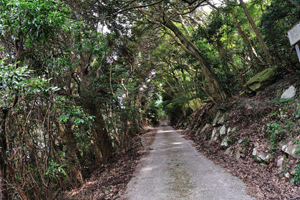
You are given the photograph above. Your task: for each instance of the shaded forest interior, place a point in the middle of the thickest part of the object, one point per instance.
(79, 80)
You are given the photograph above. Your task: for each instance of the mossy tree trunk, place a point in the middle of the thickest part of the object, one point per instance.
(72, 153)
(3, 167)
(102, 143)
(258, 35)
(161, 17)
(215, 88)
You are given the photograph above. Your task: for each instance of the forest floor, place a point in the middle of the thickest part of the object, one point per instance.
(262, 182)
(251, 115)
(110, 180)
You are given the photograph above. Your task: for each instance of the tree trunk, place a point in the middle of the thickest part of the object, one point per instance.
(214, 85)
(222, 55)
(102, 143)
(251, 49)
(3, 166)
(294, 3)
(258, 35)
(71, 150)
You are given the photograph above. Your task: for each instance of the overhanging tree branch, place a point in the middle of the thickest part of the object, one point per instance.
(131, 8)
(193, 9)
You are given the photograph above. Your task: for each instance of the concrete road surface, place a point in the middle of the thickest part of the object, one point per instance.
(175, 170)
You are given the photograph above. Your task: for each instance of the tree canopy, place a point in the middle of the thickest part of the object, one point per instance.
(79, 79)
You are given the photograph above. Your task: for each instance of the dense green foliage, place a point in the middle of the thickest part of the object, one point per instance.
(278, 18)
(79, 79)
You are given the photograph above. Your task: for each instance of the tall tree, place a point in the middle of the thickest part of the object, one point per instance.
(264, 47)
(165, 15)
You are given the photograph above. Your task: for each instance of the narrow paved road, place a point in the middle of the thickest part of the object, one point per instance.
(175, 170)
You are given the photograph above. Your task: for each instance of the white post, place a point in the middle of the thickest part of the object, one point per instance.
(294, 37)
(298, 51)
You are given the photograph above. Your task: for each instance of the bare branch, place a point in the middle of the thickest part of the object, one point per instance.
(190, 3)
(178, 42)
(134, 7)
(193, 9)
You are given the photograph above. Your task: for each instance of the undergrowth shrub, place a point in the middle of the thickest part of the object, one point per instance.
(276, 133)
(296, 178)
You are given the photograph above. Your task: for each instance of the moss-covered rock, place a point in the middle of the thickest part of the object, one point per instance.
(215, 122)
(290, 149)
(223, 131)
(224, 143)
(261, 156)
(261, 80)
(229, 151)
(204, 128)
(215, 134)
(198, 131)
(240, 153)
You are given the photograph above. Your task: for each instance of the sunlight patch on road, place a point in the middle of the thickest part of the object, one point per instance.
(177, 143)
(146, 169)
(166, 131)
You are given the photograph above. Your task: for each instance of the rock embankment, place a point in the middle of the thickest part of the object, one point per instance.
(262, 131)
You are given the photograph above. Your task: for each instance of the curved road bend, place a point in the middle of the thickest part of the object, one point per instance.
(175, 170)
